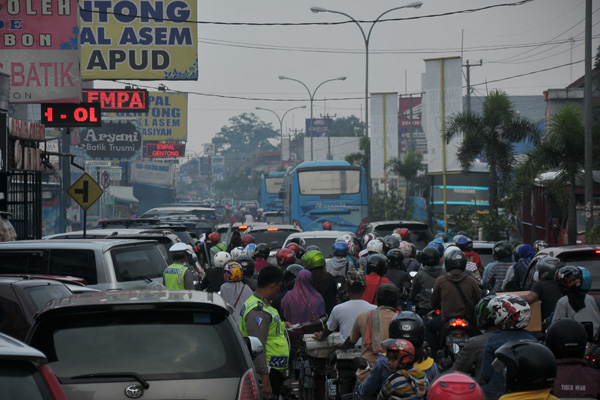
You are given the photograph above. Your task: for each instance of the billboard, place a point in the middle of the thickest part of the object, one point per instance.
(320, 127)
(40, 51)
(114, 140)
(165, 150)
(117, 99)
(384, 132)
(442, 98)
(409, 113)
(139, 39)
(153, 173)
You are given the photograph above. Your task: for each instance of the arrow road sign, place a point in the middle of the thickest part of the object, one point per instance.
(85, 191)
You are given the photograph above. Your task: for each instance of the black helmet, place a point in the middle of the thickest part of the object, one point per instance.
(407, 325)
(567, 338)
(377, 263)
(247, 264)
(569, 278)
(502, 249)
(430, 256)
(291, 272)
(462, 233)
(442, 236)
(483, 315)
(390, 242)
(395, 258)
(529, 365)
(455, 259)
(547, 267)
(262, 251)
(464, 243)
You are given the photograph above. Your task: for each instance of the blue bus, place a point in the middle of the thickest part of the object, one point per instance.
(268, 196)
(319, 191)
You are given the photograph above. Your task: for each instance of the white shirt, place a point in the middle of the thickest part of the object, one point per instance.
(343, 316)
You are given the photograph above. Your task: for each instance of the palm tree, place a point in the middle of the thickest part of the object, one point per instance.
(408, 169)
(492, 135)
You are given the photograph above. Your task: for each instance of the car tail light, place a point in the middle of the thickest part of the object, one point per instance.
(597, 251)
(272, 229)
(459, 322)
(53, 384)
(243, 227)
(248, 390)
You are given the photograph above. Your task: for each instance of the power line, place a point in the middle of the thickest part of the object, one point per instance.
(527, 73)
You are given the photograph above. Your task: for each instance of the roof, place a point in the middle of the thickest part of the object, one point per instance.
(324, 163)
(123, 194)
(320, 234)
(103, 244)
(13, 349)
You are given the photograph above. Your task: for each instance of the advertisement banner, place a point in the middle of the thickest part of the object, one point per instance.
(384, 132)
(40, 50)
(114, 140)
(409, 113)
(435, 110)
(153, 173)
(166, 118)
(320, 127)
(139, 39)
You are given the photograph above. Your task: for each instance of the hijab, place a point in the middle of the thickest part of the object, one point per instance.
(303, 303)
(526, 254)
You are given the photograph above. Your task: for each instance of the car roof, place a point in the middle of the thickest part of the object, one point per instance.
(13, 349)
(557, 251)
(70, 280)
(103, 244)
(264, 227)
(320, 234)
(105, 232)
(398, 222)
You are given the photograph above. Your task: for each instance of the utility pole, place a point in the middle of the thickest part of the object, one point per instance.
(587, 115)
(329, 155)
(469, 66)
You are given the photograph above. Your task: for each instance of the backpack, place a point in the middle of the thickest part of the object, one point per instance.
(341, 294)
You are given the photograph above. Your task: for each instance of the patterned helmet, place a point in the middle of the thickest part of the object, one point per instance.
(510, 311)
(367, 238)
(405, 248)
(405, 349)
(363, 253)
(250, 250)
(236, 252)
(539, 245)
(221, 259)
(313, 259)
(569, 278)
(375, 246)
(232, 272)
(356, 277)
(484, 315)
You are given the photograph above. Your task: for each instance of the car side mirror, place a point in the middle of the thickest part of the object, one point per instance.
(254, 345)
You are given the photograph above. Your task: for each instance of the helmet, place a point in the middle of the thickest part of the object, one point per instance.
(395, 258)
(510, 311)
(214, 237)
(442, 236)
(232, 271)
(236, 252)
(313, 259)
(251, 250)
(455, 386)
(247, 239)
(484, 315)
(569, 278)
(464, 243)
(409, 326)
(297, 249)
(327, 226)
(462, 233)
(221, 259)
(340, 248)
(397, 236)
(587, 279)
(299, 241)
(547, 267)
(313, 247)
(375, 246)
(363, 253)
(219, 247)
(529, 365)
(404, 232)
(413, 250)
(377, 263)
(405, 349)
(390, 242)
(367, 238)
(567, 338)
(262, 251)
(356, 277)
(291, 272)
(178, 247)
(455, 259)
(285, 257)
(430, 256)
(405, 248)
(247, 264)
(502, 249)
(439, 246)
(539, 245)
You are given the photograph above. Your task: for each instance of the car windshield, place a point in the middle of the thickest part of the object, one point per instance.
(40, 295)
(274, 239)
(22, 380)
(166, 344)
(134, 263)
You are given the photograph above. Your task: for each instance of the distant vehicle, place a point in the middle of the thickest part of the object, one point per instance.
(115, 224)
(268, 195)
(273, 235)
(484, 249)
(24, 373)
(326, 191)
(156, 344)
(322, 239)
(273, 217)
(420, 234)
(170, 211)
(225, 230)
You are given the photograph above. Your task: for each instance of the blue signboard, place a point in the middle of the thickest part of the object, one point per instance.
(320, 127)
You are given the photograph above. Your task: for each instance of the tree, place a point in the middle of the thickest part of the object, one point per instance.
(408, 169)
(597, 59)
(492, 134)
(246, 134)
(348, 126)
(363, 157)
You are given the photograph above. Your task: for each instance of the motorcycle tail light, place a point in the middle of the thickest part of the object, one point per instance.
(459, 322)
(438, 312)
(248, 387)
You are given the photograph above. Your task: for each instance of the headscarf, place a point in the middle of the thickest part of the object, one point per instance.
(526, 254)
(303, 303)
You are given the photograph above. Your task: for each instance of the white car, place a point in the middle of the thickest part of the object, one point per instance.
(322, 239)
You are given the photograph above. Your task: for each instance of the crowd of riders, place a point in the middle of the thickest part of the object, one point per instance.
(395, 305)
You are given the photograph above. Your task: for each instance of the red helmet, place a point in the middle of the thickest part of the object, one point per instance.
(455, 386)
(285, 257)
(404, 232)
(297, 249)
(247, 239)
(405, 349)
(214, 237)
(327, 226)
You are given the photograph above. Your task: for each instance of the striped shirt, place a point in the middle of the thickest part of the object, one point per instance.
(411, 384)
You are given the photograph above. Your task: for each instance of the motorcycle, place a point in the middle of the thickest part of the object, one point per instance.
(455, 334)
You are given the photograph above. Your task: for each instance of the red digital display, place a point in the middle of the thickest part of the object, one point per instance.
(165, 150)
(117, 99)
(67, 114)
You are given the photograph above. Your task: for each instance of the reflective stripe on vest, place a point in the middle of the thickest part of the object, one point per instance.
(174, 277)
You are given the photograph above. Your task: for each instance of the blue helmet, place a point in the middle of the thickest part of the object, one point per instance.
(439, 245)
(587, 278)
(340, 248)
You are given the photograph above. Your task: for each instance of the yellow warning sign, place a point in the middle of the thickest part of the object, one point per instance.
(85, 191)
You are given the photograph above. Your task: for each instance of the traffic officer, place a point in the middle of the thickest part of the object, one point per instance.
(177, 275)
(258, 318)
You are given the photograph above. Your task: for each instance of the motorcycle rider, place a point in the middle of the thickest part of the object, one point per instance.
(234, 291)
(376, 268)
(323, 281)
(261, 254)
(546, 288)
(177, 275)
(397, 275)
(247, 264)
(340, 263)
(515, 276)
(466, 245)
(495, 272)
(423, 282)
(214, 277)
(284, 258)
(407, 381)
(410, 263)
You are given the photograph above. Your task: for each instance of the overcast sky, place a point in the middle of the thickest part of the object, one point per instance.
(245, 61)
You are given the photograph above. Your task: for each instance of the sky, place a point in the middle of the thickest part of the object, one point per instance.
(241, 63)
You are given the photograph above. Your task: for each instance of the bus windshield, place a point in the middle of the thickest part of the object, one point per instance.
(329, 182)
(273, 184)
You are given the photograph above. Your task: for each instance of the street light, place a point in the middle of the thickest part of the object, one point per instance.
(366, 38)
(281, 126)
(312, 98)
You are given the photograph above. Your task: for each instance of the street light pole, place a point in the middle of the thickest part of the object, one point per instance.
(281, 127)
(312, 98)
(366, 39)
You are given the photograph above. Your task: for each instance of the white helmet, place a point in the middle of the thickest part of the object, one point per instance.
(405, 248)
(236, 252)
(363, 253)
(221, 259)
(250, 250)
(375, 246)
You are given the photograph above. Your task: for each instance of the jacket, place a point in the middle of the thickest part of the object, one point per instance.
(339, 267)
(543, 394)
(423, 283)
(589, 313)
(574, 379)
(178, 276)
(468, 360)
(447, 298)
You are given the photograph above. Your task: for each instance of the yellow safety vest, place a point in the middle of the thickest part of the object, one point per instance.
(277, 346)
(174, 276)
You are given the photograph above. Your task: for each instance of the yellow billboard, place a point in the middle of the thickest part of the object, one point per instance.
(139, 39)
